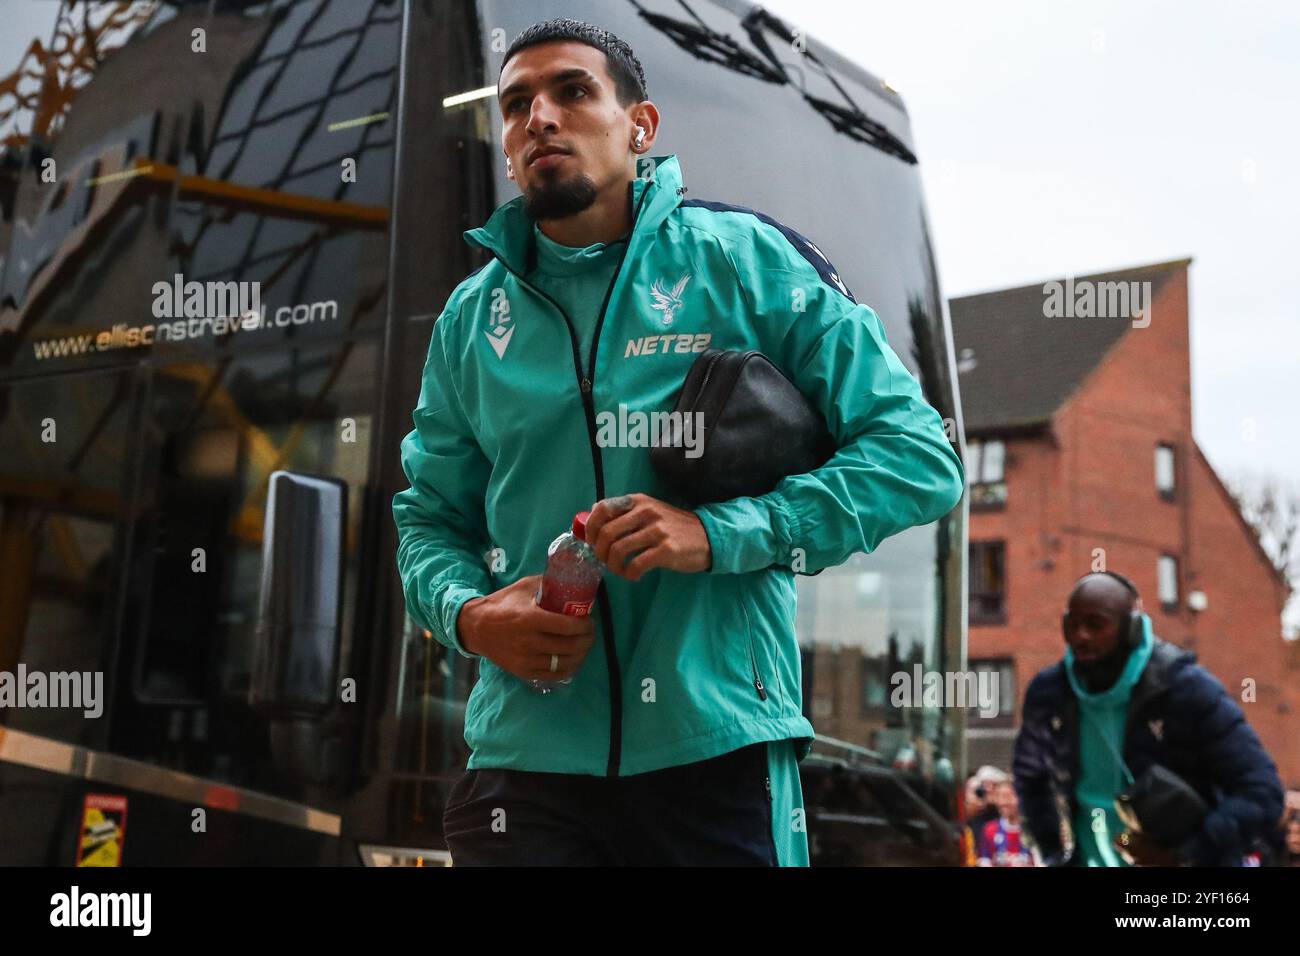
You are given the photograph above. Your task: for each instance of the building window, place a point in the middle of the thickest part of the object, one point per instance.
(1167, 575)
(985, 462)
(1165, 471)
(988, 582)
(995, 683)
(875, 686)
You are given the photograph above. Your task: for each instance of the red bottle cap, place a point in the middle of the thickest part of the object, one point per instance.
(580, 525)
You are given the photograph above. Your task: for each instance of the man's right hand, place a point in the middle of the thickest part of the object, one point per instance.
(509, 629)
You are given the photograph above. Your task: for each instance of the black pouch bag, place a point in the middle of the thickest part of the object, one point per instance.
(1162, 805)
(757, 428)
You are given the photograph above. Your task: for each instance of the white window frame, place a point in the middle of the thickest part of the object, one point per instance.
(979, 454)
(1165, 456)
(994, 451)
(974, 456)
(1167, 576)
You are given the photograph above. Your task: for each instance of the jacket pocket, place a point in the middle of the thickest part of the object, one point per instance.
(760, 687)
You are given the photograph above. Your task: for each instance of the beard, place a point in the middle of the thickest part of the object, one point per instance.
(1102, 674)
(557, 199)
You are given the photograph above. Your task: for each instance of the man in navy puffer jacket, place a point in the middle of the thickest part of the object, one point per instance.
(1165, 709)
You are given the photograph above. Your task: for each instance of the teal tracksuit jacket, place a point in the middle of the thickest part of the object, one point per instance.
(506, 450)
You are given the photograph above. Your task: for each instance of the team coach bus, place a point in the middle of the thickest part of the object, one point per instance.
(227, 229)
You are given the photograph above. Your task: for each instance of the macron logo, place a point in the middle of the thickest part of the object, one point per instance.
(499, 339)
(502, 327)
(835, 276)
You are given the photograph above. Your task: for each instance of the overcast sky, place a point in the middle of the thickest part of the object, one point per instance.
(1077, 138)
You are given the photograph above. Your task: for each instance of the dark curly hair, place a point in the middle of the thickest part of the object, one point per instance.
(624, 67)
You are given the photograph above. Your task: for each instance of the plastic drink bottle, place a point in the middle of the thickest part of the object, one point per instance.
(570, 581)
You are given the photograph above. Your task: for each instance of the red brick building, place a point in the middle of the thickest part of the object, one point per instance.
(1080, 451)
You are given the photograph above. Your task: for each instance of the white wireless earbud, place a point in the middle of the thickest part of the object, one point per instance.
(640, 136)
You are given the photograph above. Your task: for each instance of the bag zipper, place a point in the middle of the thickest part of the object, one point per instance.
(708, 370)
(586, 385)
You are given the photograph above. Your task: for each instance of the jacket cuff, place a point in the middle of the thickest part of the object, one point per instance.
(747, 534)
(446, 611)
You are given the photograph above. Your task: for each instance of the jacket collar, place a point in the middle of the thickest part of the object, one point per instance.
(1155, 679)
(508, 233)
(1157, 675)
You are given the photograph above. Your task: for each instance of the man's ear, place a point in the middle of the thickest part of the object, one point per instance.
(646, 116)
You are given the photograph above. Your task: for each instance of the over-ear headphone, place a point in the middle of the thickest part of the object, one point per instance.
(1130, 629)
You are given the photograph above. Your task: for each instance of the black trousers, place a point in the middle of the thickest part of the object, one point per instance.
(715, 812)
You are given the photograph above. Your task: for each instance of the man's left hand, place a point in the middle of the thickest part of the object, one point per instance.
(665, 536)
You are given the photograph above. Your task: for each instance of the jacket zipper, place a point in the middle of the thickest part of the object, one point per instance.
(586, 386)
(753, 657)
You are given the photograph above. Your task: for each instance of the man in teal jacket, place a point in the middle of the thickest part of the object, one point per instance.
(604, 286)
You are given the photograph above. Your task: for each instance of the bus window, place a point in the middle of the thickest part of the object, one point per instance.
(64, 464)
(213, 435)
